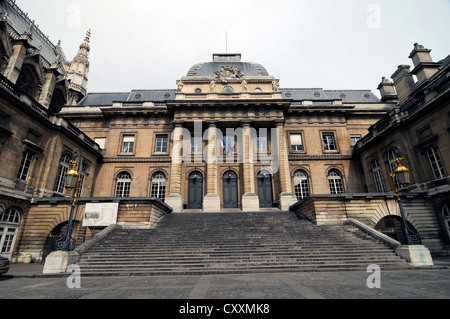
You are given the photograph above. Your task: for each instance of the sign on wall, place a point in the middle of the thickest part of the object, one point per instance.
(100, 214)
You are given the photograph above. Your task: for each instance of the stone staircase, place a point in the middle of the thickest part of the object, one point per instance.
(223, 243)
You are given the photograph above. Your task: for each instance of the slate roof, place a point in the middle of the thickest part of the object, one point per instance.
(107, 99)
(19, 21)
(296, 94)
(316, 94)
(207, 69)
(103, 99)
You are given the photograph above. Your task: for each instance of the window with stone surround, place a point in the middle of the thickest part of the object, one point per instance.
(25, 165)
(301, 184)
(128, 144)
(296, 140)
(435, 162)
(123, 184)
(161, 145)
(377, 177)
(158, 187)
(335, 181)
(329, 141)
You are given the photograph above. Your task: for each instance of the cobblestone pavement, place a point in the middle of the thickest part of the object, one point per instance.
(401, 284)
(272, 295)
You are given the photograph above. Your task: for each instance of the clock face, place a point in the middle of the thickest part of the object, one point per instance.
(228, 89)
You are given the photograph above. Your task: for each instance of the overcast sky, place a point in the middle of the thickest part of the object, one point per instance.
(330, 44)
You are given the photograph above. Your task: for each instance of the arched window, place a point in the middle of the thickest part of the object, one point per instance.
(82, 173)
(377, 177)
(335, 181)
(158, 187)
(392, 154)
(123, 184)
(64, 166)
(301, 184)
(446, 215)
(9, 225)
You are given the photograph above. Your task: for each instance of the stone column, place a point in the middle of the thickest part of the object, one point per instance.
(175, 200)
(211, 201)
(250, 201)
(287, 197)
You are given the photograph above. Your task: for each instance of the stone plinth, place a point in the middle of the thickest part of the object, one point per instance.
(58, 261)
(211, 203)
(286, 201)
(417, 255)
(175, 201)
(250, 202)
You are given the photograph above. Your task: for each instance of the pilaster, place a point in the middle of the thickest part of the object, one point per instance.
(175, 200)
(286, 197)
(211, 202)
(250, 200)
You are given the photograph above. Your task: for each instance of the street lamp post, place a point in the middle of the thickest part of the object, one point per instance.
(71, 183)
(401, 176)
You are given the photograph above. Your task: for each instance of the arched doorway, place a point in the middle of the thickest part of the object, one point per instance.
(393, 227)
(57, 233)
(230, 191)
(9, 226)
(195, 191)
(265, 189)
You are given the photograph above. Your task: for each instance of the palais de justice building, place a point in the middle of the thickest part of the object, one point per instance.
(226, 137)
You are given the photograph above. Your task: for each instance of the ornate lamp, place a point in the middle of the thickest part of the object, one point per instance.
(401, 173)
(71, 177)
(400, 178)
(71, 183)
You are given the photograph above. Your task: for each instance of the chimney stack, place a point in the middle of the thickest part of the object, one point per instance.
(403, 82)
(387, 91)
(424, 67)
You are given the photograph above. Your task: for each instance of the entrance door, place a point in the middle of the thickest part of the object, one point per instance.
(9, 226)
(230, 192)
(265, 190)
(195, 191)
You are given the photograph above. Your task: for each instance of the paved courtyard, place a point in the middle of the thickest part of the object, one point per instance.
(26, 281)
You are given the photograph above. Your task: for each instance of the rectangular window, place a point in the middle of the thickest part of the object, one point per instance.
(261, 144)
(329, 143)
(196, 144)
(435, 162)
(355, 138)
(25, 165)
(100, 141)
(128, 144)
(297, 142)
(161, 144)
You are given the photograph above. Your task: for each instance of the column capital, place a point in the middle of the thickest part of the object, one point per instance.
(178, 123)
(246, 122)
(279, 122)
(211, 123)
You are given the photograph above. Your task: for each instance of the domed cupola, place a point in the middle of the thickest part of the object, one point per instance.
(225, 76)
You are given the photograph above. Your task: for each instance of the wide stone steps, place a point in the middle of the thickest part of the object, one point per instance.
(195, 243)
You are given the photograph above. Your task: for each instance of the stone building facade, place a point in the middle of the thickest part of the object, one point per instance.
(225, 138)
(228, 138)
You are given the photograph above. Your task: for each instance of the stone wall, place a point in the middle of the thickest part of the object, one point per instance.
(47, 215)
